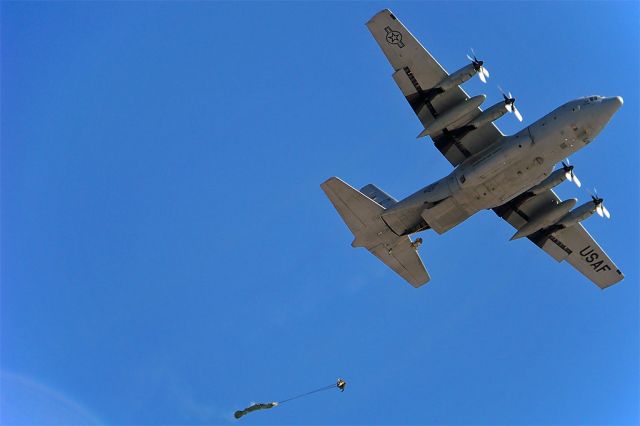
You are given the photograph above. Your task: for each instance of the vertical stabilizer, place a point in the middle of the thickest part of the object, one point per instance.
(379, 196)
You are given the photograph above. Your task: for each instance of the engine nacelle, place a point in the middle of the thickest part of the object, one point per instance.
(456, 78)
(450, 116)
(545, 219)
(554, 179)
(488, 115)
(578, 215)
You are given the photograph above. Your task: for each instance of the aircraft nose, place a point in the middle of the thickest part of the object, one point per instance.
(612, 104)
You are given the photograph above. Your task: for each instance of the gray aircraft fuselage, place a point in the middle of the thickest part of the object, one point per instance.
(505, 169)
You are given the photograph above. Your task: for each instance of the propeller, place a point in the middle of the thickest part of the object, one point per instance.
(568, 173)
(599, 203)
(483, 73)
(510, 104)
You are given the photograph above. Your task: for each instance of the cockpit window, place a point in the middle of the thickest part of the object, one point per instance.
(593, 98)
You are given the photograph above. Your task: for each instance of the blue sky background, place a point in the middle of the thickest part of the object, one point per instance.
(168, 256)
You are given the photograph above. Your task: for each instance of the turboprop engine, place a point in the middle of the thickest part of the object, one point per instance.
(596, 205)
(466, 123)
(491, 114)
(545, 219)
(556, 178)
(559, 217)
(456, 78)
(452, 115)
(496, 111)
(549, 226)
(463, 74)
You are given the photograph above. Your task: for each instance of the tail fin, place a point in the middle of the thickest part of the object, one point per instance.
(363, 217)
(378, 195)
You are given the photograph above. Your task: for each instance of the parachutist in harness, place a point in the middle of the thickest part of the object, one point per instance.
(416, 244)
(340, 384)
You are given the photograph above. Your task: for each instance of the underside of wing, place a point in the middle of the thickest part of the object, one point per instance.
(572, 244)
(418, 75)
(588, 257)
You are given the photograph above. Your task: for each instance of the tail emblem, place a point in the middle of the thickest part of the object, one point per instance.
(394, 37)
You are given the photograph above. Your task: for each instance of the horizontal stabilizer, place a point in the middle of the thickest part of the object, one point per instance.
(403, 258)
(363, 217)
(359, 212)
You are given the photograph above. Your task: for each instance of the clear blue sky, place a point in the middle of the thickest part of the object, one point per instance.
(168, 256)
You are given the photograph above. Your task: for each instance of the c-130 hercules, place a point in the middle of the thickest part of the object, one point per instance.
(513, 175)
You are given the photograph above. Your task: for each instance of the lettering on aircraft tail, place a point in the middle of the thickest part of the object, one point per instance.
(394, 37)
(591, 257)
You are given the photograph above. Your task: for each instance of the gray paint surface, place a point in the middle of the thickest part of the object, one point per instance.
(513, 175)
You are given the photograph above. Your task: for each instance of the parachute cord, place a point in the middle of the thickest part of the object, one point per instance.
(308, 393)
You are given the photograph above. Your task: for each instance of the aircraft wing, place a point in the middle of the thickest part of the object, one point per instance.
(573, 244)
(416, 72)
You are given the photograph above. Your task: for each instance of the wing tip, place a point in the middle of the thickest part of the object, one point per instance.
(328, 183)
(611, 284)
(418, 284)
(382, 12)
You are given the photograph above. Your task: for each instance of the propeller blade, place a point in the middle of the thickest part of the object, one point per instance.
(568, 176)
(485, 71)
(599, 210)
(509, 107)
(517, 113)
(576, 180)
(470, 58)
(606, 212)
(482, 77)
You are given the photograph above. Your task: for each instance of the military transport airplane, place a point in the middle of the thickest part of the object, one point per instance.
(512, 175)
